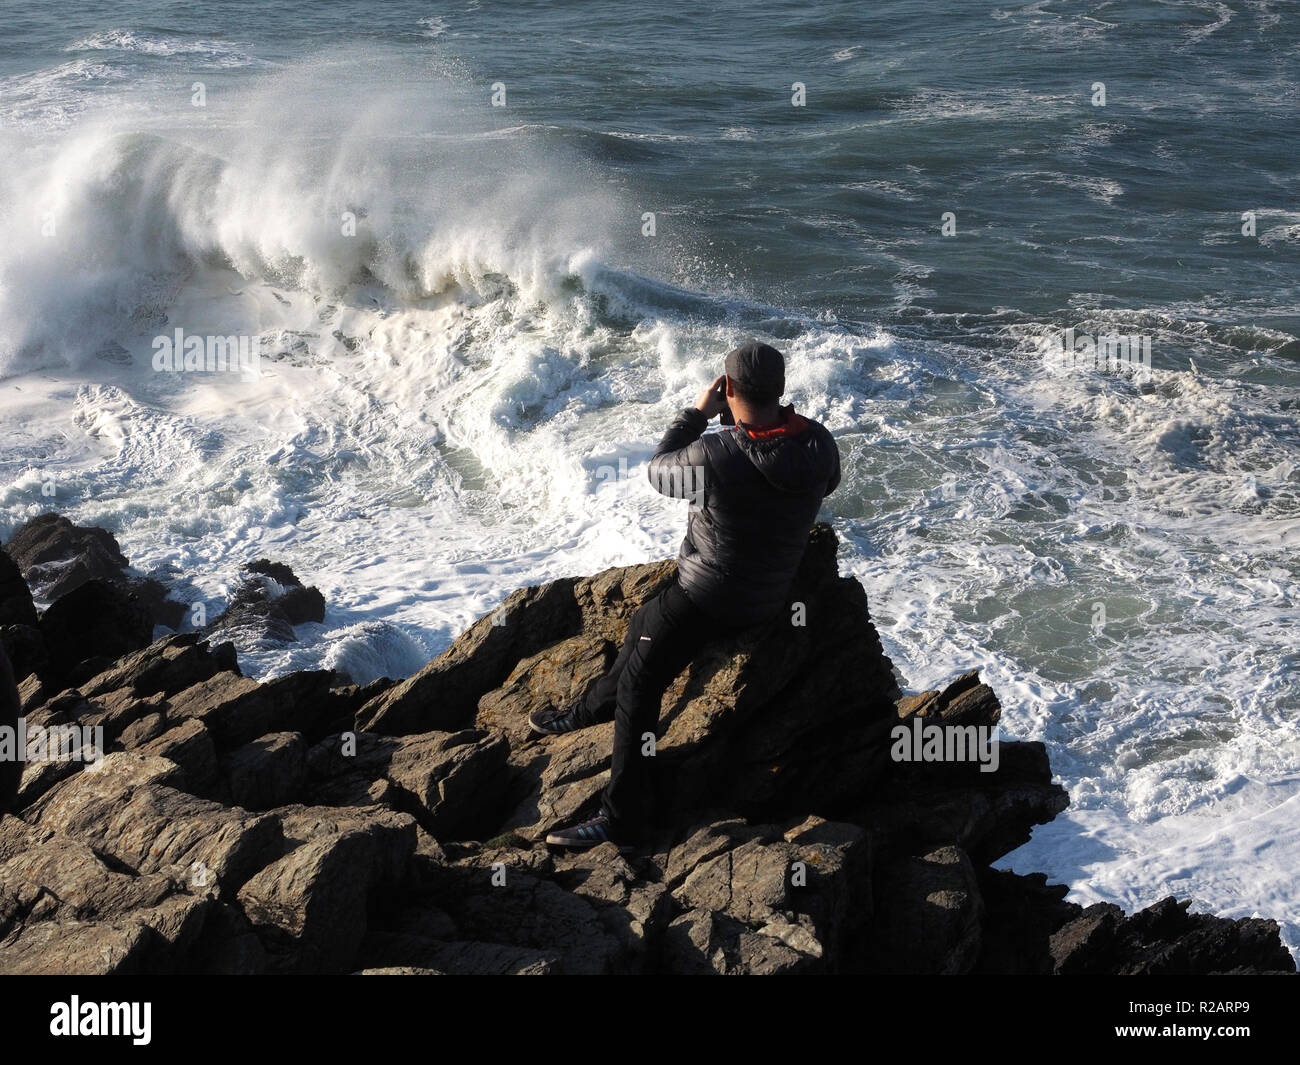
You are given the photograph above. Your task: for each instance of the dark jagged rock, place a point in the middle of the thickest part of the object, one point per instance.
(190, 746)
(268, 772)
(93, 624)
(25, 647)
(930, 918)
(236, 709)
(148, 726)
(155, 598)
(772, 903)
(123, 809)
(57, 557)
(396, 837)
(314, 702)
(167, 667)
(987, 814)
(277, 571)
(444, 694)
(1021, 913)
(452, 782)
(16, 606)
(269, 601)
(1166, 938)
(228, 945)
(84, 916)
(305, 824)
(114, 711)
(309, 907)
(298, 603)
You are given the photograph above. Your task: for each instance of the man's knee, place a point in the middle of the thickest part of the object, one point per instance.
(638, 689)
(647, 614)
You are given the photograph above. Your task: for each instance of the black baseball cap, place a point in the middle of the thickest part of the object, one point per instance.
(758, 369)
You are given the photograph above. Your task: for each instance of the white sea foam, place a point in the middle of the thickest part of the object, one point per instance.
(53, 97)
(212, 53)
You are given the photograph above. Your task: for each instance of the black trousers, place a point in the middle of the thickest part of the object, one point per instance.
(662, 639)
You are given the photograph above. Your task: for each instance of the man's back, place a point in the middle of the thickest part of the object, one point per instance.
(754, 495)
(755, 490)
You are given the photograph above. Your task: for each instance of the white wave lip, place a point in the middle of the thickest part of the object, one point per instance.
(216, 53)
(280, 197)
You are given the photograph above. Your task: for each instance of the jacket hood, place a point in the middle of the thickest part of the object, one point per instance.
(794, 456)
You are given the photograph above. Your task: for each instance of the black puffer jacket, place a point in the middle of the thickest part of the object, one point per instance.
(754, 496)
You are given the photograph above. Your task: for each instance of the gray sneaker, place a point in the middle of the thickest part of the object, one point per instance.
(587, 834)
(556, 722)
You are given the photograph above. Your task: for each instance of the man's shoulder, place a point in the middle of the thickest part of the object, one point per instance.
(725, 439)
(820, 431)
(721, 447)
(813, 425)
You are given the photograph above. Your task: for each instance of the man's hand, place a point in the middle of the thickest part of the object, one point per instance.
(708, 403)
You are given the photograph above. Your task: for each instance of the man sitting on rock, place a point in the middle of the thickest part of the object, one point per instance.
(755, 489)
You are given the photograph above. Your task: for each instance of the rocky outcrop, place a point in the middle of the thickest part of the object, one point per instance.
(98, 614)
(57, 557)
(16, 606)
(268, 602)
(92, 601)
(309, 906)
(307, 825)
(1164, 939)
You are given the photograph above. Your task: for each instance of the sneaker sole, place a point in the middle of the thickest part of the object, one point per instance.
(552, 840)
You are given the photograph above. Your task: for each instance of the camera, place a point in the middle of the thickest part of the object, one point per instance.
(725, 417)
